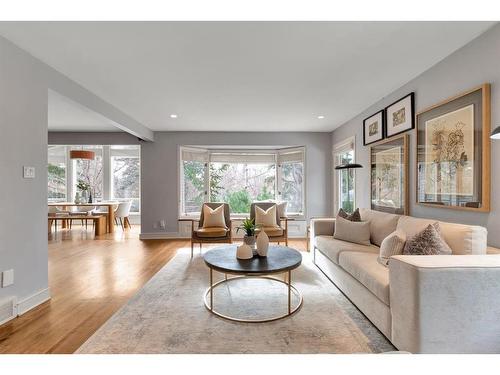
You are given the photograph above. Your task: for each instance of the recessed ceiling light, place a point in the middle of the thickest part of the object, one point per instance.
(321, 117)
(173, 115)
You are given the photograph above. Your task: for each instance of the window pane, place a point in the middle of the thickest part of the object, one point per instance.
(125, 168)
(239, 184)
(56, 173)
(89, 171)
(292, 186)
(193, 189)
(346, 182)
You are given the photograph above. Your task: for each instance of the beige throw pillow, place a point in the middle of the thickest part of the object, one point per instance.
(352, 231)
(265, 218)
(393, 244)
(427, 242)
(213, 217)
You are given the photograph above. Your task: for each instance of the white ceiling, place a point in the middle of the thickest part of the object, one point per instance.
(241, 76)
(68, 115)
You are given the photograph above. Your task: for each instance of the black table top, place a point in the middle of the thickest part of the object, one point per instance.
(279, 259)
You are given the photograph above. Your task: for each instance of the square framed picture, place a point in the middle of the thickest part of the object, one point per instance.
(373, 128)
(453, 152)
(400, 115)
(389, 175)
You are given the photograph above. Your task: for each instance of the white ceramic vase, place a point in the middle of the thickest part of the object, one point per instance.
(262, 244)
(244, 252)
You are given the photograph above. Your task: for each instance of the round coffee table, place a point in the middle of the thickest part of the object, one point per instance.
(280, 259)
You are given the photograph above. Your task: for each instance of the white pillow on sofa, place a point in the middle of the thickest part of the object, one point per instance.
(352, 231)
(393, 244)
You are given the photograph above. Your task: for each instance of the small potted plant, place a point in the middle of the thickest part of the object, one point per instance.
(248, 225)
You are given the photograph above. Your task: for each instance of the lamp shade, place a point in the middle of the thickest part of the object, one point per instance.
(349, 166)
(82, 154)
(495, 134)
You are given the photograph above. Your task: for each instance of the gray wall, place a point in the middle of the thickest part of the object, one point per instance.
(474, 64)
(160, 184)
(92, 138)
(24, 85)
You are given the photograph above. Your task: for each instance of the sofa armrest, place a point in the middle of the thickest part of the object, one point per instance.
(320, 227)
(445, 303)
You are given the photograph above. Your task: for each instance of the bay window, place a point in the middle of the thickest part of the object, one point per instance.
(113, 174)
(240, 177)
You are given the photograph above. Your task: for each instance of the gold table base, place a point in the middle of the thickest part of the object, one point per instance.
(210, 304)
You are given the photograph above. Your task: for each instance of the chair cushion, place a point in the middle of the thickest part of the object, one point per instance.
(365, 268)
(211, 232)
(266, 218)
(381, 224)
(272, 231)
(213, 217)
(332, 248)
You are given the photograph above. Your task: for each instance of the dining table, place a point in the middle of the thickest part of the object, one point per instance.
(110, 205)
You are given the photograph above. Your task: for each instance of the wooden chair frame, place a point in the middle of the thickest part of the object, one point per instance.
(201, 240)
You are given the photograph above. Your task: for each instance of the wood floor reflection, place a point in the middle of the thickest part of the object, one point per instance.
(89, 281)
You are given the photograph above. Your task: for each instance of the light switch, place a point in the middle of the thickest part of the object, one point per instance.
(7, 278)
(28, 172)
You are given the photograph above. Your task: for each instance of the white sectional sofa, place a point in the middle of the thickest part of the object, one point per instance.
(423, 303)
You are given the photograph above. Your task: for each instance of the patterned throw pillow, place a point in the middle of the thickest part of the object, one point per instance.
(355, 216)
(427, 242)
(393, 244)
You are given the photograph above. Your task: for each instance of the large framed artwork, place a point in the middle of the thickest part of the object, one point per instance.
(373, 128)
(400, 115)
(453, 152)
(389, 175)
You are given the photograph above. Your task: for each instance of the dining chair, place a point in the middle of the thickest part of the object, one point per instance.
(82, 210)
(122, 212)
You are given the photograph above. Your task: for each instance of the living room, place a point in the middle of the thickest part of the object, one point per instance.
(250, 187)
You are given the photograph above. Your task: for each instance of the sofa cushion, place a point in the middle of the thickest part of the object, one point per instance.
(381, 224)
(332, 247)
(462, 239)
(365, 268)
(352, 231)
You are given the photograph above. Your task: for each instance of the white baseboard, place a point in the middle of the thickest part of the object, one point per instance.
(181, 236)
(163, 236)
(33, 301)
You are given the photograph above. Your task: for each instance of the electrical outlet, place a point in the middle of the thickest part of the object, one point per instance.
(162, 224)
(28, 172)
(7, 278)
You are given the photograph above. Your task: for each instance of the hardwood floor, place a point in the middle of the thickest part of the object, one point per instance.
(89, 281)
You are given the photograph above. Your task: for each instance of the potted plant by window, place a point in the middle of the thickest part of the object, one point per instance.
(248, 225)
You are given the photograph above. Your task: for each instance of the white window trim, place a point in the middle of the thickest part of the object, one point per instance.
(107, 174)
(209, 151)
(338, 148)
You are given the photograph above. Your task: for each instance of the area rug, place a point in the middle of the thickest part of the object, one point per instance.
(168, 316)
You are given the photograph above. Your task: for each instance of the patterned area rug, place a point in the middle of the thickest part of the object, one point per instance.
(168, 316)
